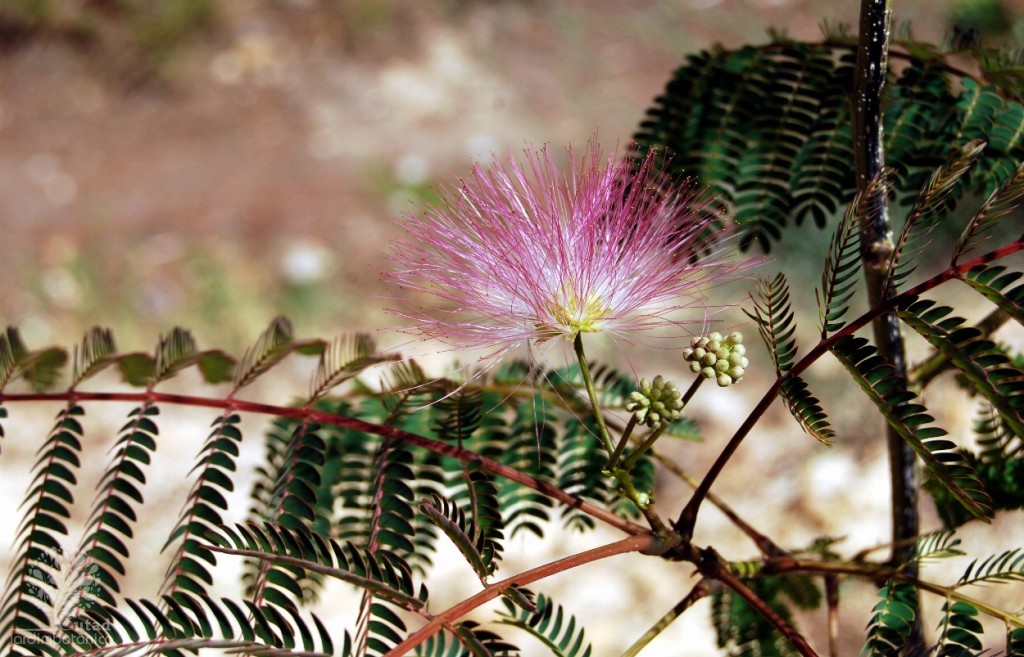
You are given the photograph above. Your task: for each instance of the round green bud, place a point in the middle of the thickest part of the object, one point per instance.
(739, 349)
(708, 372)
(714, 345)
(699, 353)
(709, 359)
(734, 338)
(721, 366)
(715, 336)
(688, 353)
(735, 358)
(695, 367)
(723, 352)
(724, 380)
(695, 341)
(736, 373)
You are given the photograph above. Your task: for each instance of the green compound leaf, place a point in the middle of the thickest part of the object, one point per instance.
(839, 281)
(183, 623)
(342, 359)
(480, 547)
(458, 415)
(382, 573)
(1004, 567)
(888, 391)
(891, 620)
(768, 128)
(27, 601)
(102, 552)
(987, 369)
(8, 357)
(773, 313)
(480, 642)
(933, 203)
(41, 368)
(93, 354)
(959, 630)
(550, 624)
(997, 286)
(743, 632)
(189, 567)
(273, 345)
(938, 545)
(806, 409)
(1001, 202)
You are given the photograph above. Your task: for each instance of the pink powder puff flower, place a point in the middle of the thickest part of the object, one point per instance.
(522, 252)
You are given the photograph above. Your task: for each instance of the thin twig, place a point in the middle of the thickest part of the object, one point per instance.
(763, 543)
(699, 591)
(688, 517)
(832, 601)
(881, 573)
(491, 591)
(711, 566)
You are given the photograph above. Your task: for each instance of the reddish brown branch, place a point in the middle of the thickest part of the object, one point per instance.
(492, 591)
(352, 423)
(711, 566)
(688, 518)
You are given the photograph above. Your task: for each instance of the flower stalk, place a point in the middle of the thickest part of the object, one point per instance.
(588, 383)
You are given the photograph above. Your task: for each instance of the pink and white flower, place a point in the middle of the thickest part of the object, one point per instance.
(522, 252)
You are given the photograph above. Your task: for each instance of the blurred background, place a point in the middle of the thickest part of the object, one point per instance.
(214, 163)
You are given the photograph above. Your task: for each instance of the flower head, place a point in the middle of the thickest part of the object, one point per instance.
(523, 252)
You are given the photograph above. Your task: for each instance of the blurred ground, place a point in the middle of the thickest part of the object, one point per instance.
(254, 165)
(259, 165)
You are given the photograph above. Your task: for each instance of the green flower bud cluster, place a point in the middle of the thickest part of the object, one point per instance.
(656, 402)
(720, 358)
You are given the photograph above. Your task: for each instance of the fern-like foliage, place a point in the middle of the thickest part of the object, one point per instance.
(937, 545)
(530, 446)
(385, 574)
(92, 355)
(30, 597)
(464, 533)
(343, 359)
(1007, 566)
(185, 622)
(996, 283)
(891, 620)
(932, 205)
(889, 393)
(550, 624)
(291, 502)
(41, 368)
(989, 371)
(191, 561)
(1003, 200)
(769, 128)
(773, 313)
(102, 551)
(743, 632)
(843, 263)
(959, 630)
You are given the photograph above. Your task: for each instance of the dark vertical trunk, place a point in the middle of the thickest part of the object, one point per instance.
(876, 251)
